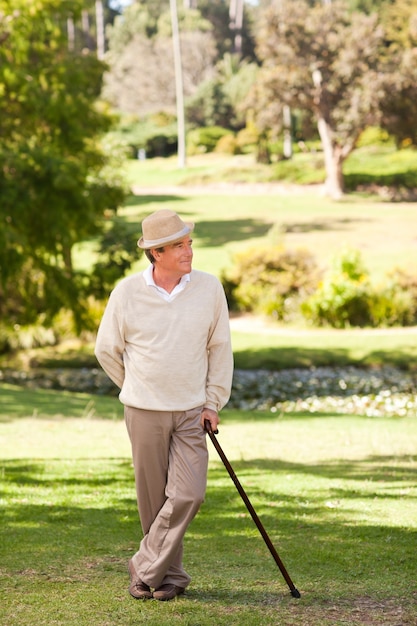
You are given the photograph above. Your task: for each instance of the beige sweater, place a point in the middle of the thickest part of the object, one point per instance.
(168, 356)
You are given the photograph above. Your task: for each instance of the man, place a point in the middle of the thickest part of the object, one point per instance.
(165, 341)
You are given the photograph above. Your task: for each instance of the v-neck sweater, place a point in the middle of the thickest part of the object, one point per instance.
(168, 356)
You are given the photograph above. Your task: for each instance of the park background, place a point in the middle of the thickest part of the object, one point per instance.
(302, 186)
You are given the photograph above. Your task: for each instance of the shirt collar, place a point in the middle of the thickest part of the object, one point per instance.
(148, 276)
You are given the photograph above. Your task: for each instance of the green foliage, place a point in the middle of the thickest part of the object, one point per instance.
(210, 106)
(201, 140)
(385, 166)
(391, 305)
(141, 74)
(247, 138)
(217, 13)
(227, 145)
(219, 101)
(373, 136)
(270, 280)
(117, 252)
(138, 19)
(405, 180)
(342, 66)
(346, 297)
(343, 298)
(394, 303)
(302, 169)
(156, 134)
(56, 176)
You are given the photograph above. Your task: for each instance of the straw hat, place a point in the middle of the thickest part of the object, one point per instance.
(163, 227)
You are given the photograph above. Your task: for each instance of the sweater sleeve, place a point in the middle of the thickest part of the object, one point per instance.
(110, 343)
(220, 358)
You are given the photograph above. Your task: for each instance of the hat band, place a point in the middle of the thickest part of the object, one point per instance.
(152, 243)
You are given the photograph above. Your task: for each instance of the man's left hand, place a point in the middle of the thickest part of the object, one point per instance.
(212, 417)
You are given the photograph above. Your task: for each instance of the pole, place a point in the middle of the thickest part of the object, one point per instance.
(179, 89)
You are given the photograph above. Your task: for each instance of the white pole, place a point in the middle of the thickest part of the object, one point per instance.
(178, 84)
(100, 29)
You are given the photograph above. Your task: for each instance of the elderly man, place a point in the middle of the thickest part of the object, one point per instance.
(165, 341)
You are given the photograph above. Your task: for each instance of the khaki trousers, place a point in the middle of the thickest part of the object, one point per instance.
(170, 459)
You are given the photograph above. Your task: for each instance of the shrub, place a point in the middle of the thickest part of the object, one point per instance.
(395, 303)
(247, 138)
(374, 136)
(227, 145)
(25, 337)
(270, 280)
(406, 179)
(156, 134)
(201, 140)
(344, 297)
(392, 306)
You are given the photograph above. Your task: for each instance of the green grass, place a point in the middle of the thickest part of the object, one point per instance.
(384, 234)
(259, 344)
(382, 165)
(229, 221)
(337, 495)
(286, 348)
(202, 169)
(372, 162)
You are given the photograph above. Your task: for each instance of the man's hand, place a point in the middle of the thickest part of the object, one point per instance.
(212, 417)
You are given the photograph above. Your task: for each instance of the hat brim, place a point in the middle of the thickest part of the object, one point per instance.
(147, 244)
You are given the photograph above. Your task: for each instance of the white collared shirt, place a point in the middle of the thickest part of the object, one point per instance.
(148, 276)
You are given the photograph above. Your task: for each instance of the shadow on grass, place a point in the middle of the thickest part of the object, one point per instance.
(284, 357)
(208, 233)
(381, 468)
(60, 513)
(140, 200)
(322, 225)
(211, 233)
(22, 402)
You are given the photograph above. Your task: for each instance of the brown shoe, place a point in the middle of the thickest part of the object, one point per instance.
(167, 592)
(138, 589)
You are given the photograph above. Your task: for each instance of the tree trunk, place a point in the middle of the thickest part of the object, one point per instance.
(333, 159)
(85, 25)
(71, 33)
(287, 151)
(333, 153)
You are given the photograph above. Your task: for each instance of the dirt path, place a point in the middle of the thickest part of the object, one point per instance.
(246, 323)
(228, 189)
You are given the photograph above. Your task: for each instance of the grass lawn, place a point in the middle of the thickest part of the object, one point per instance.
(232, 218)
(277, 348)
(337, 495)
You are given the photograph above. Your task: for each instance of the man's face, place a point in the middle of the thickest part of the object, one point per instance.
(177, 257)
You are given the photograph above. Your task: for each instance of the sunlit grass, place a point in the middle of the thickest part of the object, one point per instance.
(336, 495)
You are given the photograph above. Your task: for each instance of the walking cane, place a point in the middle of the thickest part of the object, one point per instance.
(294, 591)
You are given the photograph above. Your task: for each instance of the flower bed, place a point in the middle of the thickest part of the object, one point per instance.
(384, 392)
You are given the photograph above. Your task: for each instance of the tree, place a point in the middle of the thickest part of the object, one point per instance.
(230, 20)
(90, 32)
(218, 101)
(56, 180)
(325, 60)
(399, 107)
(149, 86)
